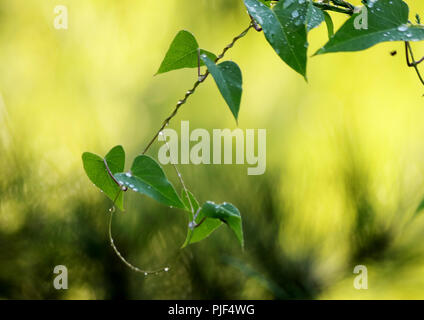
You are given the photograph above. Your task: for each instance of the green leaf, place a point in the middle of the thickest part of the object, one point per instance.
(284, 27)
(329, 23)
(96, 171)
(266, 2)
(314, 17)
(193, 201)
(387, 21)
(147, 177)
(420, 207)
(205, 229)
(227, 213)
(183, 53)
(228, 78)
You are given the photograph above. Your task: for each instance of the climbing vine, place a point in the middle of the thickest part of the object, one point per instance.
(285, 25)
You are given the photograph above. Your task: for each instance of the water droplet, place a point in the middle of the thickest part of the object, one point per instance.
(166, 269)
(403, 27)
(111, 210)
(128, 174)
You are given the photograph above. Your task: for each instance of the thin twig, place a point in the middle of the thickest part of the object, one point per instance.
(180, 177)
(408, 51)
(200, 223)
(343, 3)
(340, 6)
(329, 7)
(118, 253)
(129, 265)
(255, 25)
(414, 63)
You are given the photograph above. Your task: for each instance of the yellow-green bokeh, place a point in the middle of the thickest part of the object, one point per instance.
(347, 142)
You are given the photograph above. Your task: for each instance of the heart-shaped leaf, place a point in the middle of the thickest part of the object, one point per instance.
(387, 21)
(147, 177)
(206, 227)
(97, 172)
(228, 78)
(228, 214)
(183, 53)
(284, 27)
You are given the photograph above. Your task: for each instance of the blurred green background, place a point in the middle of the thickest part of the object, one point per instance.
(345, 159)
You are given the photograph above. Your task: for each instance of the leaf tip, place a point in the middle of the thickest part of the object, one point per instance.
(319, 52)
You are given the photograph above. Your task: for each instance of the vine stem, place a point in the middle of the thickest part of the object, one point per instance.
(180, 177)
(120, 256)
(329, 7)
(200, 79)
(112, 242)
(414, 64)
(193, 89)
(165, 123)
(122, 187)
